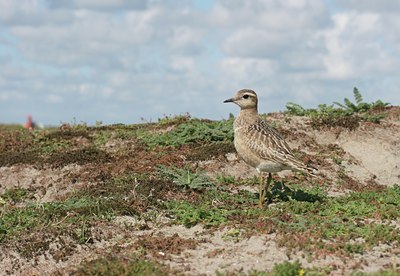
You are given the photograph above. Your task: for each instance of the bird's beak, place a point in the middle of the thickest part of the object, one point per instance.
(231, 100)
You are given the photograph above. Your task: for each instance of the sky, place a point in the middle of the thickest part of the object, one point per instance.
(128, 61)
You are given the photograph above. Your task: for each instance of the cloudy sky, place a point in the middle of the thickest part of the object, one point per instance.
(118, 61)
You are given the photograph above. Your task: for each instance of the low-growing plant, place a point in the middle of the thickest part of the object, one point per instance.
(16, 195)
(346, 115)
(306, 219)
(190, 214)
(131, 265)
(360, 105)
(174, 120)
(226, 179)
(288, 269)
(101, 137)
(185, 178)
(193, 131)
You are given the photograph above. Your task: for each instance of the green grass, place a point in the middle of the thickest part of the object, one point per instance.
(16, 195)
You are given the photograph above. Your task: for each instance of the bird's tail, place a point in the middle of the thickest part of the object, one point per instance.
(305, 168)
(311, 171)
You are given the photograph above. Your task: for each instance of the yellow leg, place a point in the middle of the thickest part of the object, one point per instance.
(264, 189)
(261, 192)
(267, 183)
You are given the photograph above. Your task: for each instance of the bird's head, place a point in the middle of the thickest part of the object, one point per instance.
(244, 98)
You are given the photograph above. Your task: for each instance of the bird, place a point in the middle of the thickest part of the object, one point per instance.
(259, 144)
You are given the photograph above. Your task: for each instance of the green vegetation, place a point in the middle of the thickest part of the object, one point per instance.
(288, 268)
(346, 115)
(193, 131)
(191, 214)
(17, 221)
(121, 266)
(49, 141)
(322, 222)
(16, 195)
(124, 195)
(174, 120)
(185, 178)
(310, 216)
(102, 136)
(360, 105)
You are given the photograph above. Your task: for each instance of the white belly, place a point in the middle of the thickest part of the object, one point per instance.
(267, 166)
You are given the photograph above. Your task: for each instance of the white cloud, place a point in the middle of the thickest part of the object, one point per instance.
(181, 64)
(355, 48)
(145, 58)
(54, 99)
(105, 5)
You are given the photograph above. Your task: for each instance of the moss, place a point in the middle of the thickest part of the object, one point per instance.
(209, 151)
(79, 156)
(10, 158)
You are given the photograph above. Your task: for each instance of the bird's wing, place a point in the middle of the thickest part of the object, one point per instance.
(267, 143)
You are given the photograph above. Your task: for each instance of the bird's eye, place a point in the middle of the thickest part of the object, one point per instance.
(245, 96)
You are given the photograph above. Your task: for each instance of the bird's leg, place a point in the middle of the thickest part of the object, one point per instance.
(268, 182)
(261, 191)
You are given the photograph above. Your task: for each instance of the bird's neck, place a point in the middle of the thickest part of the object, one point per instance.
(248, 115)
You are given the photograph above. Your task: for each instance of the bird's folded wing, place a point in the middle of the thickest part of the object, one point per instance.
(264, 141)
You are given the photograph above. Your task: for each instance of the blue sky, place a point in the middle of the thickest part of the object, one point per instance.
(123, 60)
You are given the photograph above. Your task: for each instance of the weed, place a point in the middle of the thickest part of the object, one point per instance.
(288, 269)
(193, 131)
(337, 160)
(387, 272)
(232, 234)
(109, 199)
(223, 179)
(212, 209)
(121, 266)
(345, 115)
(16, 195)
(84, 233)
(101, 137)
(174, 120)
(282, 192)
(49, 145)
(185, 178)
(190, 214)
(302, 219)
(36, 216)
(360, 105)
